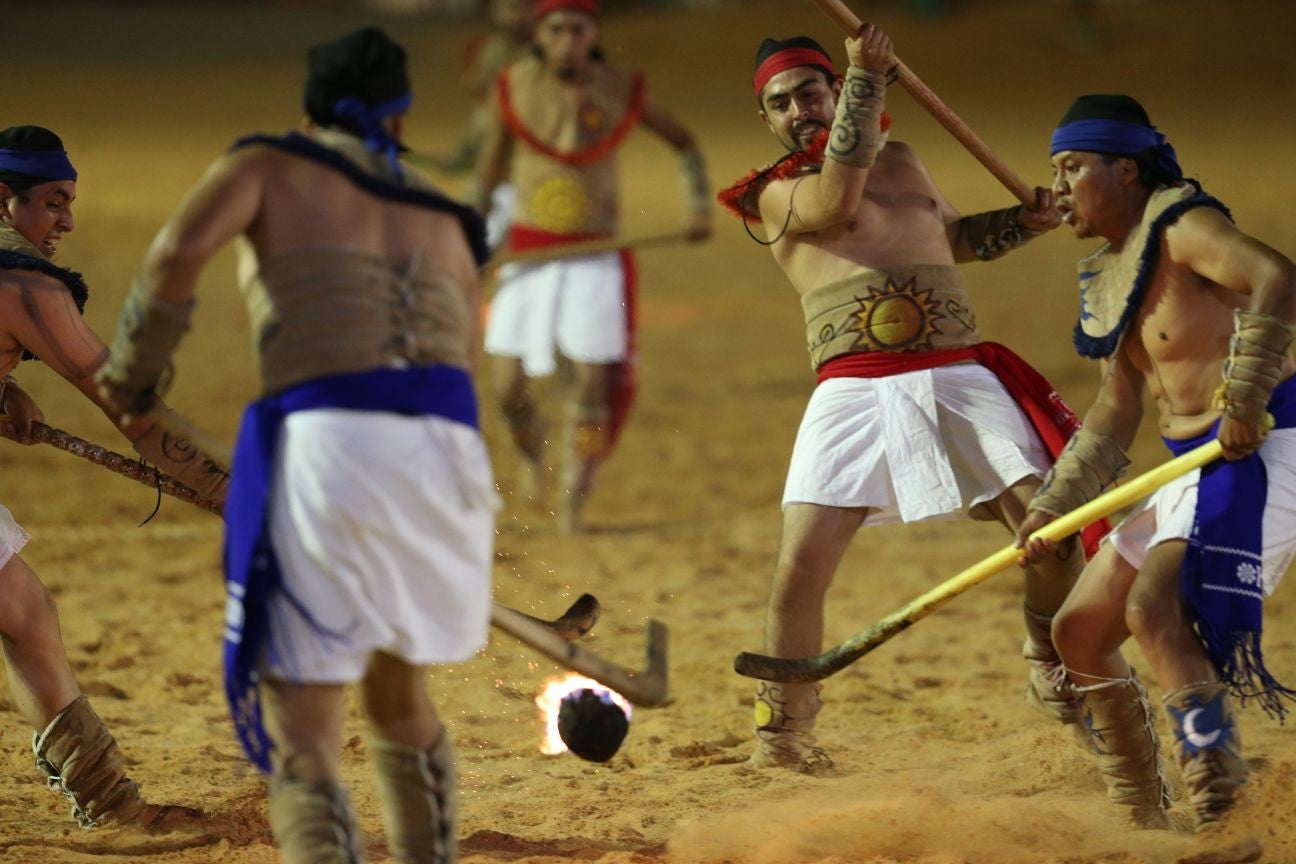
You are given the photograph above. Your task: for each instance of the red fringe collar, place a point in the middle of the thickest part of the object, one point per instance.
(742, 199)
(596, 152)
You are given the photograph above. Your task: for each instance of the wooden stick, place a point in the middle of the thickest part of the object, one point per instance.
(119, 464)
(838, 658)
(924, 96)
(589, 247)
(646, 689)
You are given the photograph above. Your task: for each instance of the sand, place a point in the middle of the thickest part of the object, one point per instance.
(939, 760)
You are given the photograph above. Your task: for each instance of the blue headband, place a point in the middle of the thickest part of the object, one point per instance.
(368, 121)
(44, 165)
(1118, 137)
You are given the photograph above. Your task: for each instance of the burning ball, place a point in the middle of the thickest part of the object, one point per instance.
(591, 724)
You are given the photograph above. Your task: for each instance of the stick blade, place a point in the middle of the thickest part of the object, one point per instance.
(783, 669)
(651, 687)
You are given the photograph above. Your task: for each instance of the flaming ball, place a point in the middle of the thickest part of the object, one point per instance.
(591, 724)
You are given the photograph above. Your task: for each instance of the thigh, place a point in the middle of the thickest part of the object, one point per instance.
(815, 538)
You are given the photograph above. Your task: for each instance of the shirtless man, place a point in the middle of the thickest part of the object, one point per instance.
(908, 423)
(361, 511)
(1176, 294)
(40, 318)
(559, 117)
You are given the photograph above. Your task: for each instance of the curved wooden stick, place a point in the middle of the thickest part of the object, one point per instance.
(924, 96)
(119, 464)
(838, 658)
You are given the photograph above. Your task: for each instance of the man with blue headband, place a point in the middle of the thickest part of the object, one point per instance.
(360, 521)
(40, 319)
(1175, 295)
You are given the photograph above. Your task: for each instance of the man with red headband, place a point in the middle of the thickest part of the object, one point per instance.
(909, 422)
(560, 116)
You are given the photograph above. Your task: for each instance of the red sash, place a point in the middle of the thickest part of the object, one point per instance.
(597, 151)
(621, 383)
(1051, 418)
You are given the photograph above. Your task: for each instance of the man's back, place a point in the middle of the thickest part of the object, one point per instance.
(305, 205)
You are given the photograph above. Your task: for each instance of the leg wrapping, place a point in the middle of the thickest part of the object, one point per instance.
(80, 758)
(418, 790)
(1122, 730)
(1208, 744)
(311, 822)
(785, 721)
(1048, 690)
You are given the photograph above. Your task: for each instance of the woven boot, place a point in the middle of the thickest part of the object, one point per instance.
(1209, 746)
(80, 758)
(1048, 690)
(1122, 732)
(311, 822)
(785, 721)
(418, 790)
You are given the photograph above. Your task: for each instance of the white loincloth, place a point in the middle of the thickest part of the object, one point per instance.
(575, 306)
(1168, 513)
(920, 445)
(384, 528)
(12, 536)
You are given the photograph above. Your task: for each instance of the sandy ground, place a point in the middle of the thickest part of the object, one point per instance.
(939, 760)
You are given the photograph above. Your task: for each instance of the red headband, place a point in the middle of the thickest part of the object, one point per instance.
(789, 58)
(544, 7)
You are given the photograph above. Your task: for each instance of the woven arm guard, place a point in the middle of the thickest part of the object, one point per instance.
(1090, 463)
(857, 130)
(1257, 353)
(148, 331)
(990, 235)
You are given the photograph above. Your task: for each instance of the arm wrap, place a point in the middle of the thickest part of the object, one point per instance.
(148, 331)
(697, 190)
(1254, 366)
(176, 456)
(1090, 463)
(857, 129)
(989, 235)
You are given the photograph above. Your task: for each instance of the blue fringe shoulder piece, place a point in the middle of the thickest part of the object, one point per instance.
(299, 145)
(73, 280)
(1098, 347)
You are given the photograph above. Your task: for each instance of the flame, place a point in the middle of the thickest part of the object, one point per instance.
(550, 699)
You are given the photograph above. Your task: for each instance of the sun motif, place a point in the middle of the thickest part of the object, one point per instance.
(592, 118)
(895, 317)
(560, 205)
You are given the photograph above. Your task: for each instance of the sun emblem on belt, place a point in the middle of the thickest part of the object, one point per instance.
(896, 317)
(560, 205)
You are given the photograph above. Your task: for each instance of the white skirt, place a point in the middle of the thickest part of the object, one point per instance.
(384, 528)
(920, 445)
(1167, 514)
(575, 306)
(12, 536)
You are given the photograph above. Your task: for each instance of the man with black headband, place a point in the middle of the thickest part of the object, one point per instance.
(40, 318)
(1174, 295)
(560, 117)
(360, 520)
(915, 417)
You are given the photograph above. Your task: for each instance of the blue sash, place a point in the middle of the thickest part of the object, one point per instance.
(1223, 566)
(251, 569)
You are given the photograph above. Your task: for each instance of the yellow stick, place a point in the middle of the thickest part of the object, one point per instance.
(588, 247)
(836, 659)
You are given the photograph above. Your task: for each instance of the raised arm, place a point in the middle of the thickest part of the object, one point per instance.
(832, 196)
(697, 188)
(224, 204)
(1207, 243)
